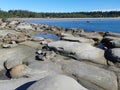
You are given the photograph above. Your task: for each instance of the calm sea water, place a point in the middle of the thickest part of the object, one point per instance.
(106, 24)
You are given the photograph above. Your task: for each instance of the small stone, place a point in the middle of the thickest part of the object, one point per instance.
(13, 42)
(41, 57)
(39, 52)
(5, 45)
(44, 43)
(50, 55)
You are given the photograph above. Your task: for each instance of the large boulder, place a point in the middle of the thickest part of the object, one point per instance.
(58, 82)
(20, 52)
(80, 51)
(113, 54)
(91, 76)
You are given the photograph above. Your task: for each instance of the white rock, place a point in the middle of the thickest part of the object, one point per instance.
(44, 42)
(39, 51)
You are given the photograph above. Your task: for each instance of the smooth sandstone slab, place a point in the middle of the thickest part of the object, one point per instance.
(98, 78)
(80, 51)
(78, 39)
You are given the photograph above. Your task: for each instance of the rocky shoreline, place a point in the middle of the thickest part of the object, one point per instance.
(74, 62)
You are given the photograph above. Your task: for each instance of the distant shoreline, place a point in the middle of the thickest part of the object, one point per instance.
(59, 18)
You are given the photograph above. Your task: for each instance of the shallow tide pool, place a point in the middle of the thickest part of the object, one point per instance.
(47, 35)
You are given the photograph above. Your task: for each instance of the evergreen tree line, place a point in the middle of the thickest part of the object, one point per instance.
(29, 14)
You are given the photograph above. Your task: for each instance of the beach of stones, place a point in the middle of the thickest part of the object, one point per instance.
(79, 60)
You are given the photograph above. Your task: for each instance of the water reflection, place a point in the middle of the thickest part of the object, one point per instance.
(47, 35)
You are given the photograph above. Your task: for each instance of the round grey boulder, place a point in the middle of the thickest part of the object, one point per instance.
(12, 63)
(57, 82)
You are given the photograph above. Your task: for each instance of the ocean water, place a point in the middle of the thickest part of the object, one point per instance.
(89, 24)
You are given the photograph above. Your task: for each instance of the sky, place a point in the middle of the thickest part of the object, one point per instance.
(60, 5)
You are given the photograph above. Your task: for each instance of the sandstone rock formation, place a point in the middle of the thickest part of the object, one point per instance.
(72, 62)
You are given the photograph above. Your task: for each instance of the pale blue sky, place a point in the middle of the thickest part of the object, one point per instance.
(60, 5)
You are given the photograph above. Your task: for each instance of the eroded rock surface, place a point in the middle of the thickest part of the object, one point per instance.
(74, 62)
(79, 51)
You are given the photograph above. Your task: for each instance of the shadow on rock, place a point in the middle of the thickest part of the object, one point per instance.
(25, 86)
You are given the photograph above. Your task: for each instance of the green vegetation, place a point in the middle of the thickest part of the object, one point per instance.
(29, 14)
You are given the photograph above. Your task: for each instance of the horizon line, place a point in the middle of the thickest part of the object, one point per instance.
(62, 12)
